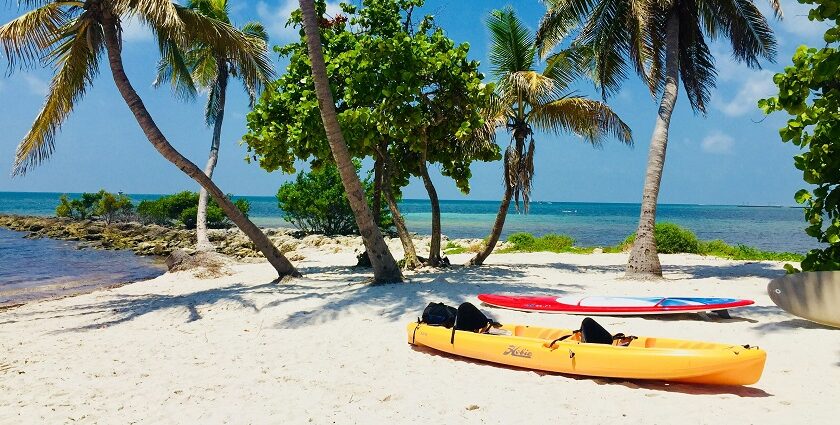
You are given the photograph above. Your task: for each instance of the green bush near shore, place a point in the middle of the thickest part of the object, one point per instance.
(551, 242)
(452, 248)
(181, 208)
(670, 239)
(673, 239)
(104, 205)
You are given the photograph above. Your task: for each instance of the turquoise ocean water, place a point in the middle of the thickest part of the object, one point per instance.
(591, 224)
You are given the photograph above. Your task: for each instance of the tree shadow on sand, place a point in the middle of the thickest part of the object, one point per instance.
(650, 385)
(341, 289)
(394, 302)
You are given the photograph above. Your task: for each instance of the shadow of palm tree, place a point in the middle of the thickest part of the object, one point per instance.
(340, 290)
(394, 302)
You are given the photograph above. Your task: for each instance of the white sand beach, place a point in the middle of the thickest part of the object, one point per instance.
(331, 349)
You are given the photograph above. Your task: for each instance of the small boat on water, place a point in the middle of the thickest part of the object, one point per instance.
(592, 351)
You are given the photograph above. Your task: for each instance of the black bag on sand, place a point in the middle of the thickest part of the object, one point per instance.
(439, 314)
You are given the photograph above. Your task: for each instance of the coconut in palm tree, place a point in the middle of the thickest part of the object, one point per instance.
(72, 36)
(200, 67)
(529, 100)
(663, 41)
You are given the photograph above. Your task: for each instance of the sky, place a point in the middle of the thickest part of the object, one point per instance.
(733, 155)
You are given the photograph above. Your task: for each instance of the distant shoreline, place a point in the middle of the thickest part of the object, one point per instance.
(413, 200)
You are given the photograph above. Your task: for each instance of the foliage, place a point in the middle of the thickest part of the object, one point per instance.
(453, 248)
(181, 208)
(673, 239)
(530, 100)
(407, 86)
(809, 91)
(201, 66)
(670, 239)
(719, 248)
(316, 202)
(612, 39)
(551, 242)
(102, 204)
(113, 207)
(70, 37)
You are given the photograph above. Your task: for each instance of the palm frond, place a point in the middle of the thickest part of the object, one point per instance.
(512, 44)
(214, 97)
(609, 36)
(255, 29)
(529, 86)
(568, 65)
(697, 66)
(560, 19)
(174, 69)
(587, 118)
(204, 67)
(27, 38)
(77, 60)
(776, 5)
(747, 29)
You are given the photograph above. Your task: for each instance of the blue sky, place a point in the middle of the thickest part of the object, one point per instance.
(731, 156)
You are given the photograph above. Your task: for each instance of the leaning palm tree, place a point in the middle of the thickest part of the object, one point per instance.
(385, 268)
(530, 100)
(72, 35)
(210, 70)
(663, 41)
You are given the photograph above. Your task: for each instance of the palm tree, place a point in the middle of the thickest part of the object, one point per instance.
(211, 70)
(530, 100)
(663, 41)
(385, 268)
(71, 36)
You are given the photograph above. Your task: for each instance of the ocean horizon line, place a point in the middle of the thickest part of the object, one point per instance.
(58, 193)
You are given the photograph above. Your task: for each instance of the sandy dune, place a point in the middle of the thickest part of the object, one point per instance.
(331, 349)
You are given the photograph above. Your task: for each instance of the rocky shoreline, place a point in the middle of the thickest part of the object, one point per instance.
(152, 239)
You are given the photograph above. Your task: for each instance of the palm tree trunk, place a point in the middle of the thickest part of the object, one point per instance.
(202, 241)
(377, 190)
(410, 259)
(144, 119)
(385, 268)
(644, 259)
(499, 224)
(434, 246)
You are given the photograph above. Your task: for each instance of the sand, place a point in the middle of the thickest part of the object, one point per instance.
(241, 348)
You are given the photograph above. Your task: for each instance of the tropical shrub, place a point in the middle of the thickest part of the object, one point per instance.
(113, 207)
(102, 204)
(551, 242)
(316, 202)
(670, 239)
(181, 208)
(809, 91)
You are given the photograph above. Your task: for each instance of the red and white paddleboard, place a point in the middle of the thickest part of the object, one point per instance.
(611, 306)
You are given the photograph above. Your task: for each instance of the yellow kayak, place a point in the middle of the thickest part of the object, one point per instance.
(561, 350)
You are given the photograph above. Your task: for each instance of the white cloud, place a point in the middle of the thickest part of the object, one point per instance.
(717, 142)
(275, 18)
(36, 85)
(134, 31)
(755, 85)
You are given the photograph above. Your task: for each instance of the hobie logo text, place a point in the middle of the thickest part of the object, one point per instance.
(517, 351)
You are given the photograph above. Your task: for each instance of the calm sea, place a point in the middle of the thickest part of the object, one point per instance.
(591, 224)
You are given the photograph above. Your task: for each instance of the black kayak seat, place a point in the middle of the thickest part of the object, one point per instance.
(593, 333)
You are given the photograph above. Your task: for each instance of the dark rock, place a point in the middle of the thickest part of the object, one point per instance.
(176, 258)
